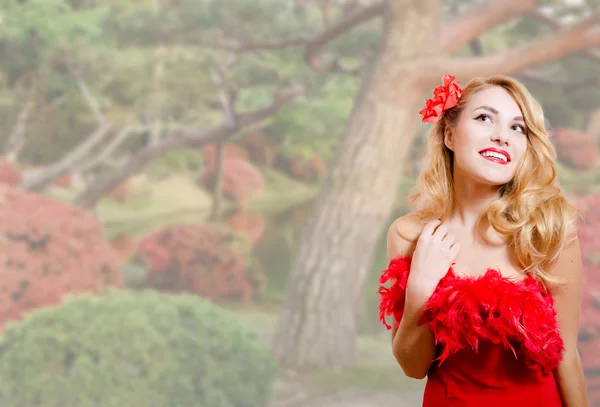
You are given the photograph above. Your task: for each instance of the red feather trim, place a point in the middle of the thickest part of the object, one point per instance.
(392, 297)
(463, 311)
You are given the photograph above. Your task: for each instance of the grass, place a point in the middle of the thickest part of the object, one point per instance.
(178, 199)
(174, 200)
(375, 369)
(368, 376)
(282, 192)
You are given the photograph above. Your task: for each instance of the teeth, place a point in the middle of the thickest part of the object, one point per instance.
(495, 155)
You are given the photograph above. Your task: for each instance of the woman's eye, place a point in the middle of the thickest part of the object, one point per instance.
(520, 128)
(482, 117)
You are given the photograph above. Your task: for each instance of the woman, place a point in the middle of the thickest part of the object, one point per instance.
(486, 273)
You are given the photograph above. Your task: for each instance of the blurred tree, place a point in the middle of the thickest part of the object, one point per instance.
(149, 89)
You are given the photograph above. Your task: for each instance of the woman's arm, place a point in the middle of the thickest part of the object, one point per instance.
(413, 345)
(567, 297)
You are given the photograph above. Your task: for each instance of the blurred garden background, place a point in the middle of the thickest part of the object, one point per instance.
(194, 194)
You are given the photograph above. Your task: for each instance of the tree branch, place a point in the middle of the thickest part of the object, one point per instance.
(581, 37)
(312, 44)
(353, 19)
(479, 20)
(251, 46)
(549, 20)
(571, 85)
(226, 93)
(91, 102)
(38, 179)
(227, 101)
(16, 139)
(180, 139)
(542, 78)
(121, 136)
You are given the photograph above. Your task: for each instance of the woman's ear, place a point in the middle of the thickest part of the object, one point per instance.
(449, 138)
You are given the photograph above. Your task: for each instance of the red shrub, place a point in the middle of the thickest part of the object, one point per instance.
(49, 249)
(65, 181)
(261, 148)
(575, 149)
(241, 180)
(10, 174)
(229, 151)
(249, 222)
(307, 169)
(196, 258)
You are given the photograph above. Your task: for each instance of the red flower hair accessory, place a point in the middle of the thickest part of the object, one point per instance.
(444, 97)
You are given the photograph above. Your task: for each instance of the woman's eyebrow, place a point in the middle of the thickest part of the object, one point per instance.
(495, 111)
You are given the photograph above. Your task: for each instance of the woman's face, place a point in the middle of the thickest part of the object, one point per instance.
(489, 139)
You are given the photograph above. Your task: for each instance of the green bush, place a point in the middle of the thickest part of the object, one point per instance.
(134, 349)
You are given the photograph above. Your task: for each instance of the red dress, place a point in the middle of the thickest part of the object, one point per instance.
(497, 339)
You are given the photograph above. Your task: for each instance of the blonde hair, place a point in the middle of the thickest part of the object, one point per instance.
(532, 214)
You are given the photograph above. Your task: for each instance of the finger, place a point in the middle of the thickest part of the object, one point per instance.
(440, 233)
(449, 240)
(454, 250)
(429, 227)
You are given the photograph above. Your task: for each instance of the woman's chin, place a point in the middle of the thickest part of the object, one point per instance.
(496, 180)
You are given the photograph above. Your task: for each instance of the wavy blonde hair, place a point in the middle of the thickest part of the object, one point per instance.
(531, 214)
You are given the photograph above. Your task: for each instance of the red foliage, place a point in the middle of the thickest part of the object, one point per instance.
(575, 149)
(196, 258)
(229, 151)
(261, 148)
(249, 222)
(309, 169)
(241, 180)
(64, 181)
(49, 249)
(10, 174)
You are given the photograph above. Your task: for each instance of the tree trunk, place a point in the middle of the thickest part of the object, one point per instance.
(317, 326)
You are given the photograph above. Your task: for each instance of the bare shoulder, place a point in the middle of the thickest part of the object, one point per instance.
(402, 235)
(568, 265)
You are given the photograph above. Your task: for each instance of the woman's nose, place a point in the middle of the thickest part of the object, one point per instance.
(501, 136)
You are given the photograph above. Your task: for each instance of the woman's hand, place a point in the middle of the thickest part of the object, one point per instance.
(434, 254)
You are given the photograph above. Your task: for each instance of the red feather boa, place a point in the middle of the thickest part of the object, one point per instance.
(463, 311)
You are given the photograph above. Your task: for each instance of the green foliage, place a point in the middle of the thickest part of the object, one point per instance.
(135, 275)
(193, 22)
(150, 60)
(39, 29)
(181, 161)
(134, 349)
(315, 122)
